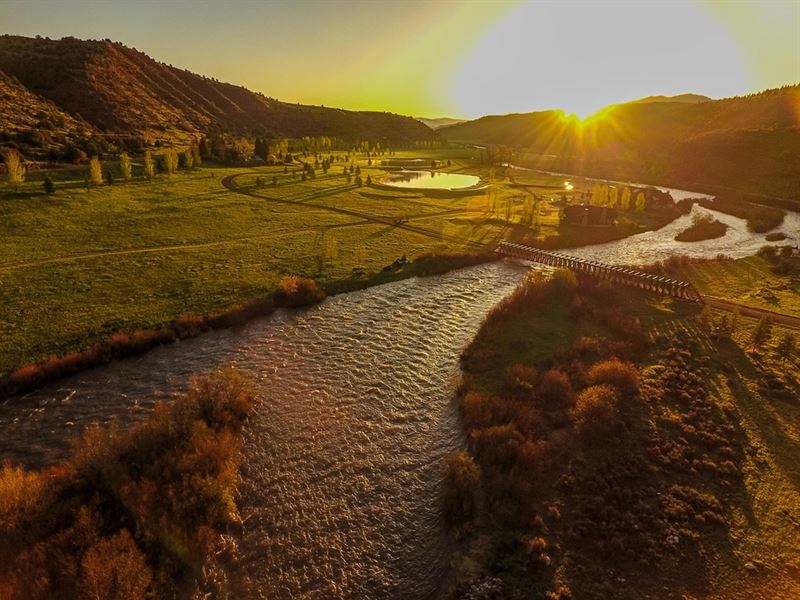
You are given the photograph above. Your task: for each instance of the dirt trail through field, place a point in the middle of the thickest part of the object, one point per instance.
(230, 183)
(751, 311)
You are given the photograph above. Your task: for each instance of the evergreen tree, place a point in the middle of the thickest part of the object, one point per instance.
(761, 334)
(786, 348)
(640, 201)
(49, 188)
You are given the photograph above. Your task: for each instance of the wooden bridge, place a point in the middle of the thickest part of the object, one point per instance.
(603, 272)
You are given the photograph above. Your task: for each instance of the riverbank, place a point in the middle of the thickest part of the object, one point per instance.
(356, 411)
(292, 292)
(618, 433)
(136, 513)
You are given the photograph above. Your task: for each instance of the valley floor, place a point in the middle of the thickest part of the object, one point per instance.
(84, 263)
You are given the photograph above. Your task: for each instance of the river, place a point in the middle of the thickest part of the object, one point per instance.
(356, 410)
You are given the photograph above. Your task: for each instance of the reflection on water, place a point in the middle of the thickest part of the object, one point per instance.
(436, 180)
(356, 412)
(652, 246)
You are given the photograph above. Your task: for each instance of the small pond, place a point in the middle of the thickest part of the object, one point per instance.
(429, 180)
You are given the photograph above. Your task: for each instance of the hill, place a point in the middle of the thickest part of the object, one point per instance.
(680, 98)
(33, 120)
(748, 143)
(119, 90)
(439, 122)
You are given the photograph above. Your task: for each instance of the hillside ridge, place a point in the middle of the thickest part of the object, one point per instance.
(119, 90)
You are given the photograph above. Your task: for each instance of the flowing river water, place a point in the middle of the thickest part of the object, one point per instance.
(356, 412)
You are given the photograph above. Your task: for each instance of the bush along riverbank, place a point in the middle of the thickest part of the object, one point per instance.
(292, 292)
(141, 513)
(703, 227)
(760, 218)
(611, 434)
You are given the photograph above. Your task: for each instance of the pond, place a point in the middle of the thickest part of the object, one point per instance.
(429, 180)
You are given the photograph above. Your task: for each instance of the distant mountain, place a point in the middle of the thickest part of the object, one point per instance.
(749, 143)
(119, 90)
(439, 122)
(681, 98)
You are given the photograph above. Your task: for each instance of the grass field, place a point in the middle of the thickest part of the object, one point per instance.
(749, 281)
(750, 415)
(84, 263)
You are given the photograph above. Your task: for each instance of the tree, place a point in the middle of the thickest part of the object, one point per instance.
(640, 201)
(125, 166)
(705, 317)
(15, 168)
(197, 159)
(95, 172)
(149, 165)
(761, 334)
(555, 390)
(625, 203)
(612, 196)
(49, 188)
(596, 195)
(622, 376)
(786, 347)
(460, 479)
(595, 412)
(735, 321)
(170, 159)
(188, 159)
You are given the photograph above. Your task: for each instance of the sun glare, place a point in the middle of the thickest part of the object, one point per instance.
(544, 56)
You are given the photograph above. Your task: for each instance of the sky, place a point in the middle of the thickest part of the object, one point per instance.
(449, 58)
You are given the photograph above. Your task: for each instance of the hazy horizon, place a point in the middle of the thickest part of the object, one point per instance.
(447, 59)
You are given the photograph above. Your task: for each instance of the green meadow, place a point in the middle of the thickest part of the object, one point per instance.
(86, 262)
(751, 281)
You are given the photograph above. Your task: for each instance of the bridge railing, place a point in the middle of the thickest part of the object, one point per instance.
(615, 274)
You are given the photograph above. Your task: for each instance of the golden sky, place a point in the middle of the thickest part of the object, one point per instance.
(445, 57)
